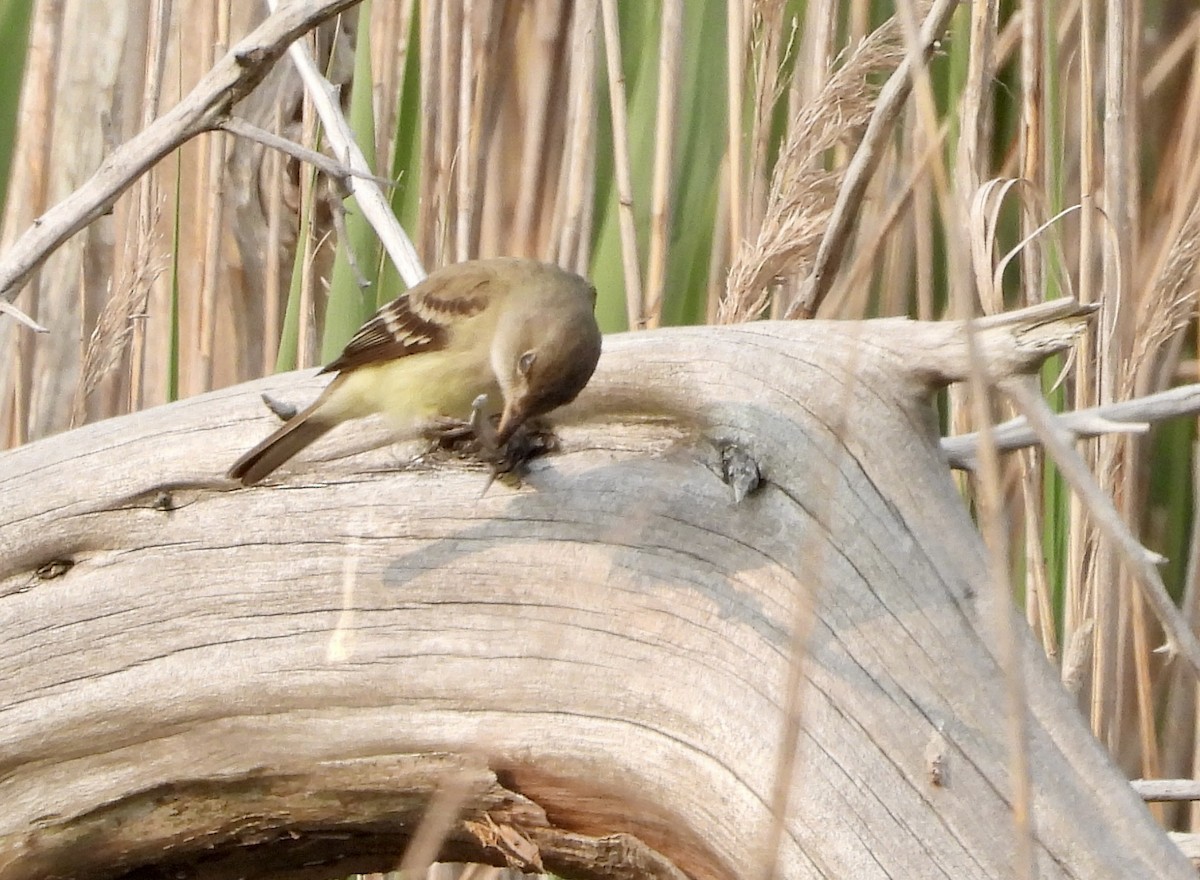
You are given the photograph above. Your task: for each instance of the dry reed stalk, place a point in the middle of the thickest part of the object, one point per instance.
(767, 54)
(589, 210)
(1118, 255)
(989, 496)
(27, 197)
(634, 302)
(665, 122)
(802, 191)
(465, 221)
(915, 194)
(390, 23)
(1151, 319)
(1039, 609)
(430, 121)
(146, 193)
(1174, 292)
(537, 66)
(580, 146)
(443, 811)
(818, 50)
(1191, 608)
(273, 278)
(197, 196)
(1151, 764)
(858, 18)
(1034, 162)
(735, 73)
(211, 265)
(450, 26)
(922, 220)
(1076, 601)
(907, 255)
(1033, 145)
(719, 255)
(306, 345)
(862, 166)
(491, 105)
(1179, 51)
(215, 216)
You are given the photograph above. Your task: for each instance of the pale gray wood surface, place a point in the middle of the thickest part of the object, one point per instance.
(242, 680)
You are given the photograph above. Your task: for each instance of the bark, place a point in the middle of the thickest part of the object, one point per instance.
(587, 673)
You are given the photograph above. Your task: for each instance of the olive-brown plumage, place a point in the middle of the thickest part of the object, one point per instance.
(520, 331)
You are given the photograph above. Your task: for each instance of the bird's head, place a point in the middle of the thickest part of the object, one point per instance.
(544, 354)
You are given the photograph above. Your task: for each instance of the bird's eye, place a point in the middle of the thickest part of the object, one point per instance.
(525, 362)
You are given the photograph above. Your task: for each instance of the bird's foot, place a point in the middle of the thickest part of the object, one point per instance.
(452, 435)
(531, 440)
(476, 438)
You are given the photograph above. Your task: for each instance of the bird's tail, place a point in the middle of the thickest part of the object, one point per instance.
(298, 432)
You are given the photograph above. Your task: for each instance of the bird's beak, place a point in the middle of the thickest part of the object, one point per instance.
(510, 419)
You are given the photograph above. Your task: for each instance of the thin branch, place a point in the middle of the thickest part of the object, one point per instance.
(330, 167)
(1166, 789)
(1140, 561)
(233, 77)
(371, 200)
(1129, 416)
(7, 308)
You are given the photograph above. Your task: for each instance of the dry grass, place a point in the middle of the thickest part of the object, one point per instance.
(802, 189)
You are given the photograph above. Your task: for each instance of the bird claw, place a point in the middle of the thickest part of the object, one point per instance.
(477, 438)
(529, 441)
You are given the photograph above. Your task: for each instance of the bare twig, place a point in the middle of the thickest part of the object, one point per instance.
(7, 308)
(1140, 561)
(235, 75)
(371, 200)
(1128, 416)
(1167, 789)
(330, 167)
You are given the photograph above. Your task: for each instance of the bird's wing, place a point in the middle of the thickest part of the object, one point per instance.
(417, 321)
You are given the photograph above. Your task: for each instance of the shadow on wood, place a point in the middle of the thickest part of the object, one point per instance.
(587, 673)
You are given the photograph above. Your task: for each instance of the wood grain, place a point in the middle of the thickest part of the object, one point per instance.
(281, 679)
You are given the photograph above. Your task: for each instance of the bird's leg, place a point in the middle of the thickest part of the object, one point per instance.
(476, 436)
(484, 430)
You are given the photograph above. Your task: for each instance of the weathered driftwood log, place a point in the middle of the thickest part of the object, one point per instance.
(587, 673)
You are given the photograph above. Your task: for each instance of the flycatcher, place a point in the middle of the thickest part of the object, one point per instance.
(522, 332)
